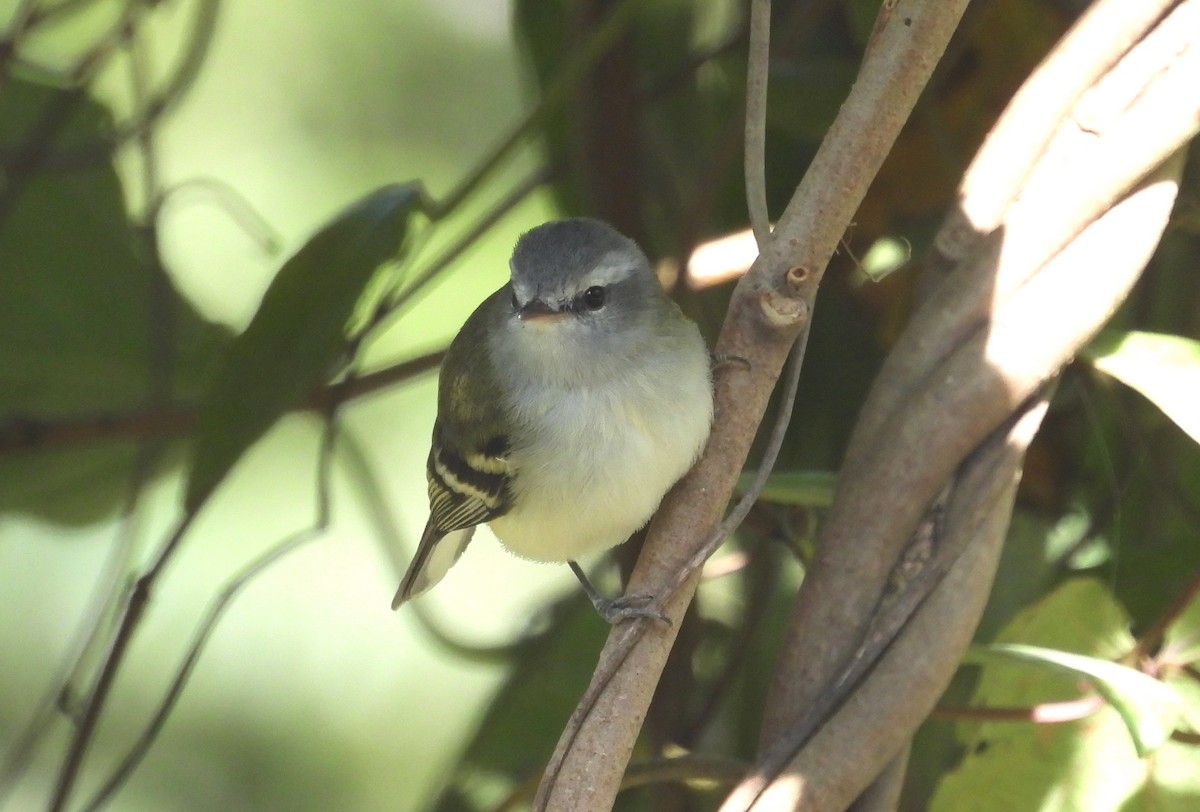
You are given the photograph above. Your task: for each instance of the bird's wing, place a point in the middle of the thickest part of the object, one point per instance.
(470, 479)
(465, 490)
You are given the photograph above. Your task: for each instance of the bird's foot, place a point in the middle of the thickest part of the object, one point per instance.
(628, 607)
(617, 610)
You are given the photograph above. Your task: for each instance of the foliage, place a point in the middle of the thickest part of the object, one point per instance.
(109, 364)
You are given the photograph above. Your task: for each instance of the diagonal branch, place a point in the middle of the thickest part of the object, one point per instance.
(770, 308)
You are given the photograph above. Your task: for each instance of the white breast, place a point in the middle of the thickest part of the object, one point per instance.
(604, 456)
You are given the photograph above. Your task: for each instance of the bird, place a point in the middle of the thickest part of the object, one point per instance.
(570, 401)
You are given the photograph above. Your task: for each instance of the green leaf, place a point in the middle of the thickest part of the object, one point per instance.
(798, 488)
(83, 311)
(294, 340)
(1164, 368)
(1149, 708)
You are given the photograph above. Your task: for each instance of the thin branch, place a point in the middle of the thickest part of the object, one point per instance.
(756, 120)
(130, 618)
(154, 107)
(394, 305)
(241, 212)
(19, 435)
(1047, 713)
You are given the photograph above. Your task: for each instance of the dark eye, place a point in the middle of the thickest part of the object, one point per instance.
(593, 297)
(516, 305)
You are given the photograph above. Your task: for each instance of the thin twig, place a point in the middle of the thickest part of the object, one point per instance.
(565, 83)
(394, 305)
(241, 212)
(130, 618)
(756, 120)
(149, 113)
(20, 435)
(216, 611)
(734, 520)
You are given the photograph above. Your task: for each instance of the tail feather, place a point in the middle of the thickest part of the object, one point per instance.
(436, 554)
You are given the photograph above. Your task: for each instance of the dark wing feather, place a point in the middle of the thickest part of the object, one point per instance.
(462, 495)
(466, 490)
(467, 470)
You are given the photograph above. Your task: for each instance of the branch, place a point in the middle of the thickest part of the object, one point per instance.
(27, 435)
(771, 307)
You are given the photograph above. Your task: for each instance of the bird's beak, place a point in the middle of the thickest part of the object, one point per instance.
(535, 310)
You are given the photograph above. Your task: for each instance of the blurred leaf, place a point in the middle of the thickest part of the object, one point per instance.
(1164, 368)
(293, 341)
(806, 95)
(798, 488)
(1149, 708)
(517, 735)
(885, 256)
(860, 17)
(79, 313)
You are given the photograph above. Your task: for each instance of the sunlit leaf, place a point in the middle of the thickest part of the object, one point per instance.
(1149, 708)
(1086, 763)
(294, 340)
(1164, 368)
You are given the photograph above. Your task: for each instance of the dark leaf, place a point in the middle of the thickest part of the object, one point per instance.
(294, 339)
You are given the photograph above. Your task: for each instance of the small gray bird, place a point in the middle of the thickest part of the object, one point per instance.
(570, 401)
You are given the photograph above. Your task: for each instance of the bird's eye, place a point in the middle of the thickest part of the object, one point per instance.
(593, 297)
(516, 305)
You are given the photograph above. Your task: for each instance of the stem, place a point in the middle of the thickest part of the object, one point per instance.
(756, 120)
